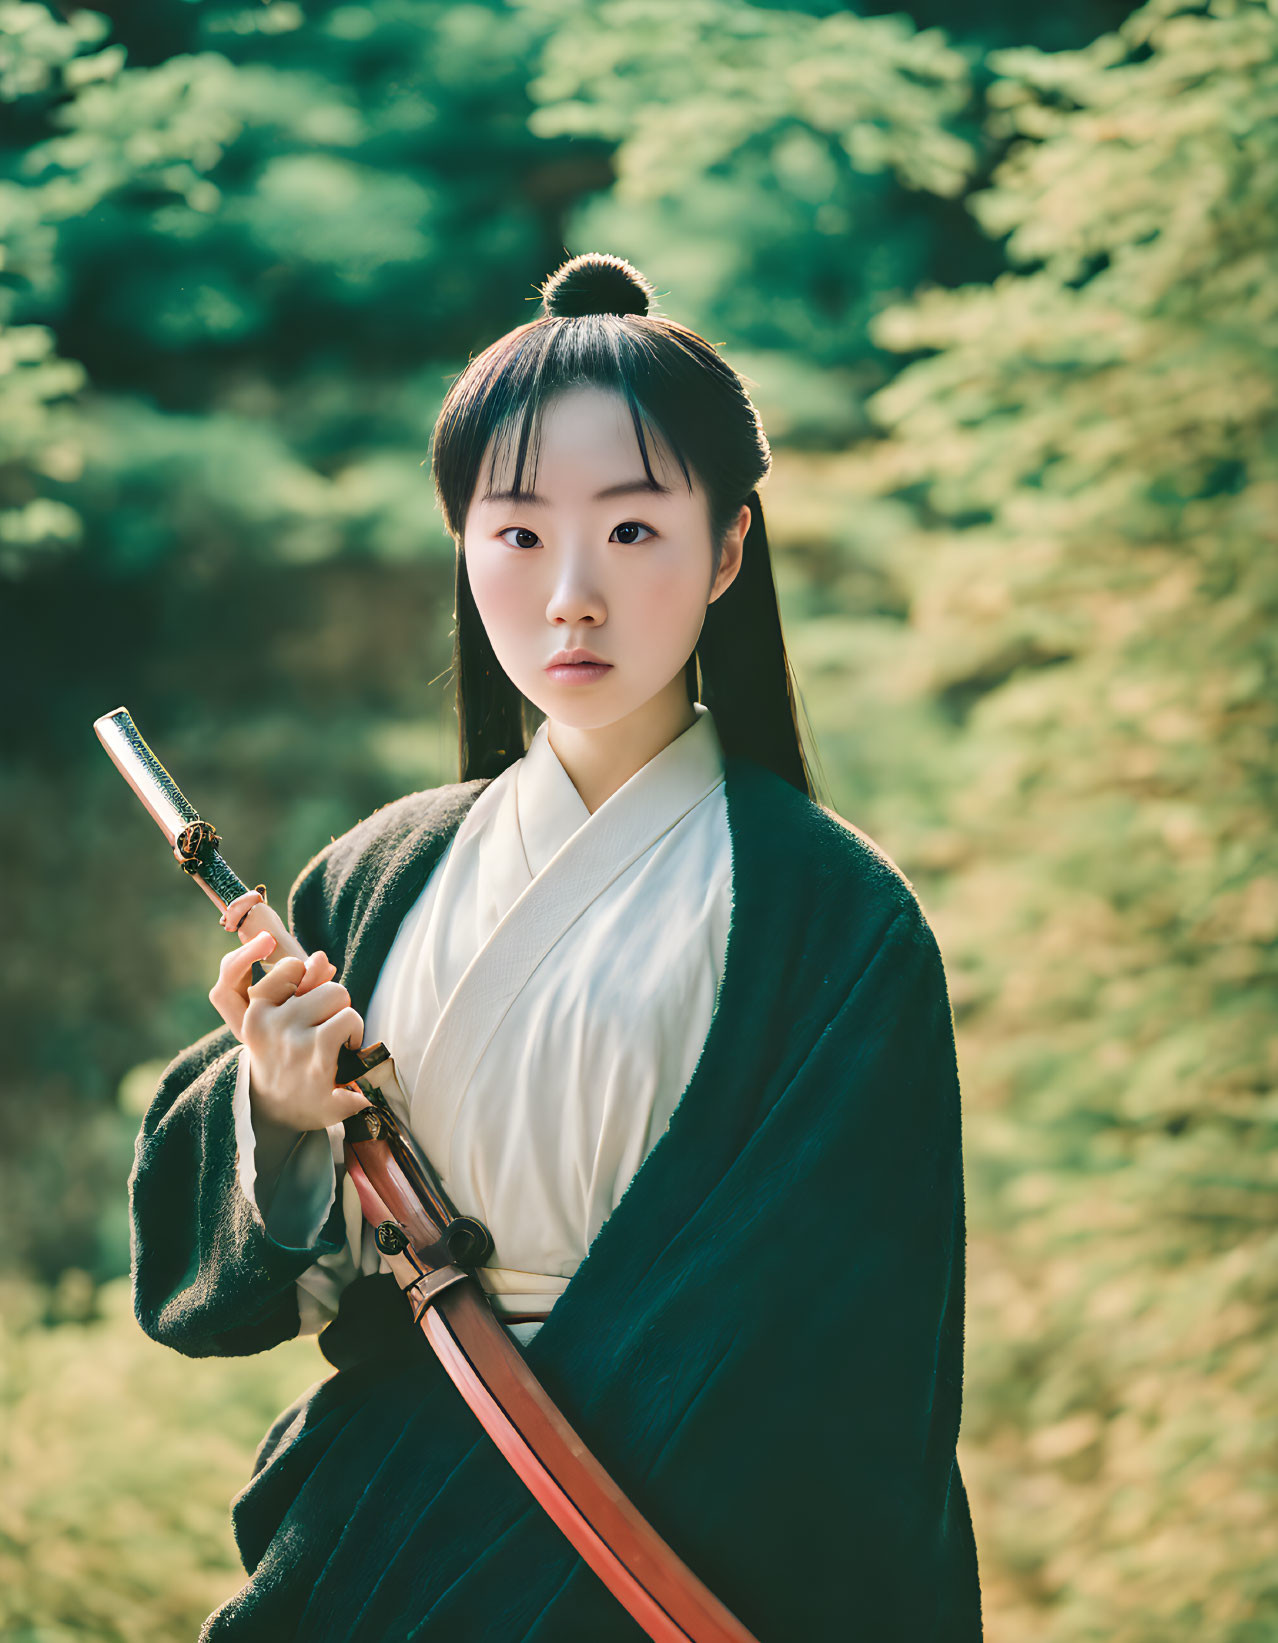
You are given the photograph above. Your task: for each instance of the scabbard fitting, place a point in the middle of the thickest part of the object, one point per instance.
(422, 1292)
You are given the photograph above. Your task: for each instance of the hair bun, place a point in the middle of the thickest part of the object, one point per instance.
(595, 283)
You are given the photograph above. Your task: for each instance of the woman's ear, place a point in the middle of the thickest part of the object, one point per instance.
(730, 558)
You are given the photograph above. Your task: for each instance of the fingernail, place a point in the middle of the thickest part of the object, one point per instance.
(270, 941)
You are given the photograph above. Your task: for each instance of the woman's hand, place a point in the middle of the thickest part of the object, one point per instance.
(293, 1022)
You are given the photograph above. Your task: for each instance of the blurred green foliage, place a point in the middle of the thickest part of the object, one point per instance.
(119, 1471)
(1009, 304)
(1095, 444)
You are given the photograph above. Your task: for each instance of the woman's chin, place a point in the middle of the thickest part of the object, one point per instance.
(604, 702)
(588, 705)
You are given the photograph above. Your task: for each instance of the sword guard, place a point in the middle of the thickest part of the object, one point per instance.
(194, 844)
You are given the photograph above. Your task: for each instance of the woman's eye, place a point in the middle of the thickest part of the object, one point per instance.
(634, 525)
(626, 533)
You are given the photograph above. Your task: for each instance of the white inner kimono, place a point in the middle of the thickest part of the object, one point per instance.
(545, 1000)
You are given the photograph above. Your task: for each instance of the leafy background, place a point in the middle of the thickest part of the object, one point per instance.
(1003, 279)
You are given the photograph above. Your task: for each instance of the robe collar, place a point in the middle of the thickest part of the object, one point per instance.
(686, 768)
(695, 758)
(544, 859)
(550, 809)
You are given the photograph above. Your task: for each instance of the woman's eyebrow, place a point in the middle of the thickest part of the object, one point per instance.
(628, 487)
(631, 487)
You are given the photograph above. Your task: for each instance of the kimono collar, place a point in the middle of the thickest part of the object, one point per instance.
(551, 809)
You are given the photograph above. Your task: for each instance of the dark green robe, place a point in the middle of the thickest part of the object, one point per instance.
(764, 1343)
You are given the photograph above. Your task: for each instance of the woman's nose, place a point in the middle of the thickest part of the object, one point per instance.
(575, 596)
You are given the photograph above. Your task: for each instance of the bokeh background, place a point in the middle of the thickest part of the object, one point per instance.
(1003, 279)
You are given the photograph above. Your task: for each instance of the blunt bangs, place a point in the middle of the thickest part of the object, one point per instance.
(501, 398)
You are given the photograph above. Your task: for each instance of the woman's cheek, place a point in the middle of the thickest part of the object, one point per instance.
(506, 603)
(674, 609)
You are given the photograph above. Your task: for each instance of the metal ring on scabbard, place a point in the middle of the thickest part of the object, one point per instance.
(197, 840)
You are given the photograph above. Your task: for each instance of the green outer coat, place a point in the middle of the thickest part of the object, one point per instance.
(764, 1343)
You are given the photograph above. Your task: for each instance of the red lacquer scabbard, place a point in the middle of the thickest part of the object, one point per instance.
(640, 1569)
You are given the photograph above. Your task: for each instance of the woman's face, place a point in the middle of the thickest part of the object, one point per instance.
(596, 560)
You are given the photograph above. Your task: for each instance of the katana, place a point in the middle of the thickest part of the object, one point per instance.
(432, 1250)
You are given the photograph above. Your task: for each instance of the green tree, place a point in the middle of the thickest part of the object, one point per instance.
(40, 446)
(1093, 445)
(780, 172)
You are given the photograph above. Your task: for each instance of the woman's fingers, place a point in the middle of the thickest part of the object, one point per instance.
(346, 1027)
(237, 964)
(229, 993)
(289, 978)
(319, 969)
(318, 1005)
(347, 1102)
(279, 982)
(297, 1017)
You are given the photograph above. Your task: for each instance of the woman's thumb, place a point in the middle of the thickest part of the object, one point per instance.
(352, 1101)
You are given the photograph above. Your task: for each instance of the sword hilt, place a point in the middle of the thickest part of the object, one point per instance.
(246, 914)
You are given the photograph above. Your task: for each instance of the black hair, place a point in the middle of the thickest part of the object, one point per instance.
(596, 329)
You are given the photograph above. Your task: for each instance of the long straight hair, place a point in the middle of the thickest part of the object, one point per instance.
(679, 390)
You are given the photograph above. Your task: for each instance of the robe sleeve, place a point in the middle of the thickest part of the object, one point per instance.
(293, 1204)
(871, 1130)
(213, 1276)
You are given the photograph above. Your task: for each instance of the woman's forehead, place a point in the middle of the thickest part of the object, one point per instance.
(580, 442)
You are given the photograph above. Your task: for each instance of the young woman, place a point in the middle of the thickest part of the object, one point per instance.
(674, 1032)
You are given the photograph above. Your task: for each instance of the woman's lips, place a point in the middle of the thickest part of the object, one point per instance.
(578, 673)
